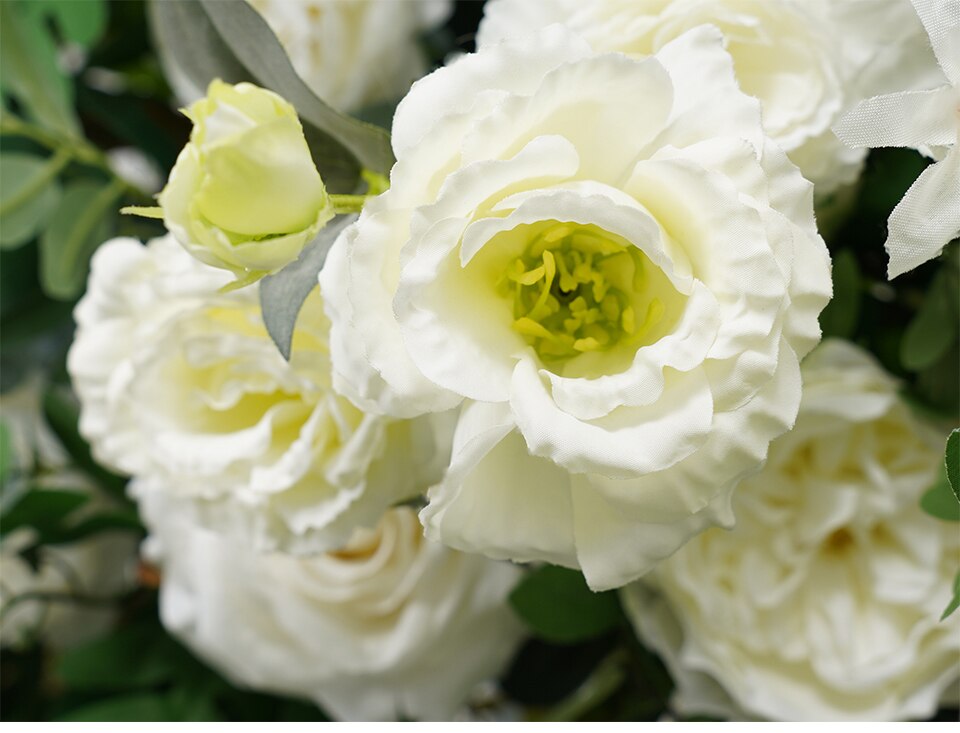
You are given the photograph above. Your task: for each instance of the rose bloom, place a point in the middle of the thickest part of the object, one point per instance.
(807, 61)
(244, 193)
(613, 269)
(824, 602)
(99, 565)
(354, 53)
(180, 381)
(391, 626)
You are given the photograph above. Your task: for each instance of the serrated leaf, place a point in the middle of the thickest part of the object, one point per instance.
(558, 606)
(282, 294)
(29, 71)
(28, 196)
(951, 459)
(842, 313)
(81, 223)
(955, 602)
(939, 501)
(933, 330)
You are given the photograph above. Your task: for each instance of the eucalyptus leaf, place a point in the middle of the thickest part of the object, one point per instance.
(29, 192)
(200, 41)
(951, 460)
(282, 294)
(82, 221)
(840, 316)
(558, 606)
(29, 70)
(934, 329)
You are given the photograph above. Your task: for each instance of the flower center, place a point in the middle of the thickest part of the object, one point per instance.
(577, 288)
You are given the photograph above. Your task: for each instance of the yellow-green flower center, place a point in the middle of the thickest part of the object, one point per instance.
(577, 288)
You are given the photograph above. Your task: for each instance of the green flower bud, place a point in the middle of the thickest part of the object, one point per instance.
(244, 194)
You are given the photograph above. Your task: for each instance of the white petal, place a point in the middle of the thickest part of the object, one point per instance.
(902, 120)
(927, 217)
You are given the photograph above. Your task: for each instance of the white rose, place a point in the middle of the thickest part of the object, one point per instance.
(824, 601)
(389, 627)
(354, 53)
(51, 601)
(180, 381)
(617, 271)
(806, 61)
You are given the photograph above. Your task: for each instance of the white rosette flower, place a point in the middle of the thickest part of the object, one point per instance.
(824, 602)
(613, 267)
(181, 381)
(389, 627)
(354, 53)
(807, 61)
(51, 600)
(928, 216)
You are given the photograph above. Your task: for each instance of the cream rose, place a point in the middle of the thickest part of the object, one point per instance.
(39, 603)
(389, 627)
(180, 381)
(244, 194)
(807, 61)
(615, 271)
(824, 602)
(354, 53)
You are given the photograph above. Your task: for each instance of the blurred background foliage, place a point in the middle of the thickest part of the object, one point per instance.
(82, 88)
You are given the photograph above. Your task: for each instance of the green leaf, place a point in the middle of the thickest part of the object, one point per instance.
(29, 193)
(934, 329)
(558, 606)
(43, 509)
(29, 71)
(80, 22)
(955, 603)
(842, 313)
(113, 521)
(6, 451)
(227, 39)
(150, 707)
(282, 294)
(939, 501)
(951, 460)
(81, 223)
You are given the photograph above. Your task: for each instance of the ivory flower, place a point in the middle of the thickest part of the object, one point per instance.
(245, 194)
(389, 627)
(181, 382)
(611, 266)
(354, 53)
(806, 61)
(824, 602)
(928, 216)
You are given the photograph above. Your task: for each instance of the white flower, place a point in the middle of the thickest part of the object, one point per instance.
(613, 266)
(244, 194)
(391, 626)
(354, 53)
(928, 216)
(824, 601)
(806, 60)
(179, 381)
(49, 602)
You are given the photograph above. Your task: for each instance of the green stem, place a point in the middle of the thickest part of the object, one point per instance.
(49, 171)
(346, 203)
(79, 151)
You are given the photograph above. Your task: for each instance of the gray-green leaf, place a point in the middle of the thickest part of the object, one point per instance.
(282, 294)
(934, 329)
